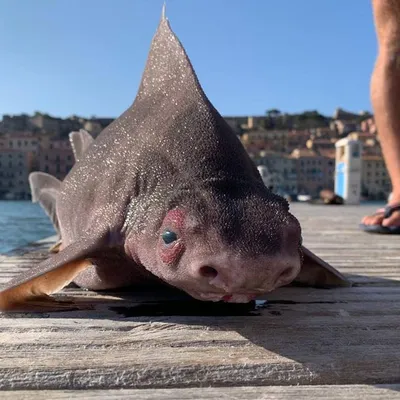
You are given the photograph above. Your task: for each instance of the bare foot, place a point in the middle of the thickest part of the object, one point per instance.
(379, 217)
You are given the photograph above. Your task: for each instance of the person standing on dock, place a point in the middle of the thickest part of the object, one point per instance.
(385, 98)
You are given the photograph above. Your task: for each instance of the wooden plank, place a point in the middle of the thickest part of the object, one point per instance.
(339, 392)
(189, 351)
(301, 336)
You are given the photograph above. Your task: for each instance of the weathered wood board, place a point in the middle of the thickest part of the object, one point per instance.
(301, 336)
(337, 392)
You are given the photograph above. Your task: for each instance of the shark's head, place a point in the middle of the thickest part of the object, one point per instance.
(227, 241)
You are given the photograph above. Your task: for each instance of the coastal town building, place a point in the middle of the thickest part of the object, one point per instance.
(57, 160)
(263, 139)
(369, 126)
(375, 182)
(296, 151)
(23, 142)
(15, 166)
(15, 123)
(314, 171)
(297, 139)
(281, 171)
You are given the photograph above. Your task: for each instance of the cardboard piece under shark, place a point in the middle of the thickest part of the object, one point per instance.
(170, 138)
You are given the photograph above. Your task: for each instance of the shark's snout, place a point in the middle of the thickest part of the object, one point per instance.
(223, 277)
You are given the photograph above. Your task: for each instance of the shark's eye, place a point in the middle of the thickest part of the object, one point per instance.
(169, 237)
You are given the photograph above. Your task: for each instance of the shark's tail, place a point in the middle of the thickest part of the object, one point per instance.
(45, 187)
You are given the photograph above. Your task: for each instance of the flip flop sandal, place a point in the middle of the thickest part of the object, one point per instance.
(386, 212)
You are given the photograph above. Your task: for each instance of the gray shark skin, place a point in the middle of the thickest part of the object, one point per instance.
(167, 194)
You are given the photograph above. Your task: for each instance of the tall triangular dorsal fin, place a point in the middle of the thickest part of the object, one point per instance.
(169, 72)
(163, 12)
(80, 141)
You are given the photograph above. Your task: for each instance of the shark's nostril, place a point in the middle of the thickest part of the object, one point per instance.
(208, 272)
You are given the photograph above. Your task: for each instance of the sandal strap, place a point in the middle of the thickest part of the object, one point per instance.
(390, 209)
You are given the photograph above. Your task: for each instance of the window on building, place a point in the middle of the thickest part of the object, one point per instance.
(46, 168)
(356, 151)
(19, 143)
(58, 168)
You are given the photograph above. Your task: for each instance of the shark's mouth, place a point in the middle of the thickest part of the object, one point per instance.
(225, 297)
(239, 298)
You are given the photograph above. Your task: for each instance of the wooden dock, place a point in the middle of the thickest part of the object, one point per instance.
(302, 344)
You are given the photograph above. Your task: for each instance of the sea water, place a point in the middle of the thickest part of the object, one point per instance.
(22, 222)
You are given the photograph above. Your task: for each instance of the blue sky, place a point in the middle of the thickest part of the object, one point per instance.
(86, 57)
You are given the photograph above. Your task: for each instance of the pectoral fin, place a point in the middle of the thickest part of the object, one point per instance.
(30, 290)
(34, 295)
(318, 273)
(45, 189)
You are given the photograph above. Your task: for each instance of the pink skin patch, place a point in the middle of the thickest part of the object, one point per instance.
(176, 218)
(174, 221)
(232, 298)
(170, 255)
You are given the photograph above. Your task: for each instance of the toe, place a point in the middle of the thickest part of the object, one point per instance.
(372, 219)
(393, 220)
